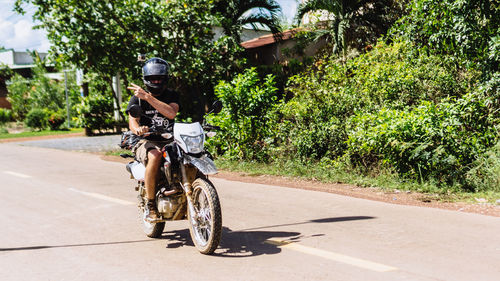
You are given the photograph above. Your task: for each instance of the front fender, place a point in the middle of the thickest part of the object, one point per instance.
(202, 163)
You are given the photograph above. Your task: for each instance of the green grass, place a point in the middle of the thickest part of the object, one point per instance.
(39, 133)
(117, 152)
(384, 180)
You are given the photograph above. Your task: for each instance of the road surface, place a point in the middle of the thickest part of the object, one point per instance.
(73, 216)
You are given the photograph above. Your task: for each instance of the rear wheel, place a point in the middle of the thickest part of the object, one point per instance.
(205, 226)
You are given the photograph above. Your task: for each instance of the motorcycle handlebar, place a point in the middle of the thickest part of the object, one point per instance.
(208, 127)
(153, 130)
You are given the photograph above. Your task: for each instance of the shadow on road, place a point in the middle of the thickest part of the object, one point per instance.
(252, 241)
(325, 220)
(240, 243)
(70, 246)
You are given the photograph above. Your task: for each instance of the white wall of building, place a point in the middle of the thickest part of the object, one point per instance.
(13, 58)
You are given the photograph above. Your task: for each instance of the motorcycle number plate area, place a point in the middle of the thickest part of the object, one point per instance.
(138, 170)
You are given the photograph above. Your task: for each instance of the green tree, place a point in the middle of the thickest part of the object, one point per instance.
(352, 21)
(257, 13)
(105, 37)
(39, 92)
(96, 36)
(467, 30)
(245, 118)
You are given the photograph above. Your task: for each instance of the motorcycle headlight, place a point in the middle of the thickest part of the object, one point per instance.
(193, 144)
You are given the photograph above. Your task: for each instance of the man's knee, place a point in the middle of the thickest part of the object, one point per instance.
(154, 155)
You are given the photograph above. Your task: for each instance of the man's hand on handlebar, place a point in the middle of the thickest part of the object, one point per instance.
(141, 130)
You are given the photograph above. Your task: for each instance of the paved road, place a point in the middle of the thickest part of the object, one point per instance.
(87, 144)
(72, 216)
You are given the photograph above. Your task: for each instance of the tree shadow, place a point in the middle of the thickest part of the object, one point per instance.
(252, 241)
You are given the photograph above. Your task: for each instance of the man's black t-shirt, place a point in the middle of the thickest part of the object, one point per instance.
(152, 116)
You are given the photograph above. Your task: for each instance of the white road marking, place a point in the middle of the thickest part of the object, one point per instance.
(333, 256)
(17, 174)
(103, 197)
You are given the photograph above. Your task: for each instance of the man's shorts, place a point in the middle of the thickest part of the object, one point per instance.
(142, 148)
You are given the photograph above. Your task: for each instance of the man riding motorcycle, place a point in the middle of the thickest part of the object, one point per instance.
(159, 106)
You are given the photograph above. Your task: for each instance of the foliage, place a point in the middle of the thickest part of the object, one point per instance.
(244, 119)
(98, 36)
(485, 175)
(105, 37)
(431, 141)
(37, 119)
(42, 118)
(234, 14)
(56, 119)
(5, 115)
(95, 112)
(19, 96)
(459, 29)
(5, 70)
(391, 109)
(198, 62)
(354, 23)
(314, 120)
(38, 92)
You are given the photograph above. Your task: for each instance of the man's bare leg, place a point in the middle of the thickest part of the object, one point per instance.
(154, 158)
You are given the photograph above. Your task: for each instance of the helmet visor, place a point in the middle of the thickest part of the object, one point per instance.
(154, 69)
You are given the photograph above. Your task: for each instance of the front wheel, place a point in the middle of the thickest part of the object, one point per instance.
(205, 225)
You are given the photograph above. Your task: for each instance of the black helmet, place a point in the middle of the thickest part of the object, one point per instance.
(155, 69)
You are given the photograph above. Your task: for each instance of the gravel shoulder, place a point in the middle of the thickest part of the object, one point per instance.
(100, 144)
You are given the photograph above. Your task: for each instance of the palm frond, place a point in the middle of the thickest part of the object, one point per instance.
(263, 20)
(332, 6)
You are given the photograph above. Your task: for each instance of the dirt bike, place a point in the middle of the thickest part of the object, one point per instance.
(183, 190)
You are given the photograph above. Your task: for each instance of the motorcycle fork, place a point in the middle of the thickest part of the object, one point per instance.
(188, 176)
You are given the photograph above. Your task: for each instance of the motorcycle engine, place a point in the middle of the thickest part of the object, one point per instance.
(168, 205)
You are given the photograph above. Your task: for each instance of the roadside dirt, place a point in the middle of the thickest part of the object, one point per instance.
(42, 137)
(396, 197)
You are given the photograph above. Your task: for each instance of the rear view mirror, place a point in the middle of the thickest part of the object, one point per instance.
(216, 107)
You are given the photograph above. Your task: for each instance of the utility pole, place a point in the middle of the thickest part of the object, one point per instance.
(118, 91)
(67, 99)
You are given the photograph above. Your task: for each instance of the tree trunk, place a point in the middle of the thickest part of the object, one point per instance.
(115, 97)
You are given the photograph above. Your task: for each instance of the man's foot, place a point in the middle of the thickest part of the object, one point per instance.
(150, 213)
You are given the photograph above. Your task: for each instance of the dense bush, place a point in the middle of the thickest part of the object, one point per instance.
(430, 142)
(405, 111)
(95, 112)
(40, 92)
(245, 117)
(325, 98)
(485, 174)
(37, 119)
(5, 115)
(56, 119)
(18, 97)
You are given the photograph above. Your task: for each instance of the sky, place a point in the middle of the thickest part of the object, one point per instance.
(16, 31)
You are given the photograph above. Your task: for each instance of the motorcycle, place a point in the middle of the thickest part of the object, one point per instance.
(183, 190)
